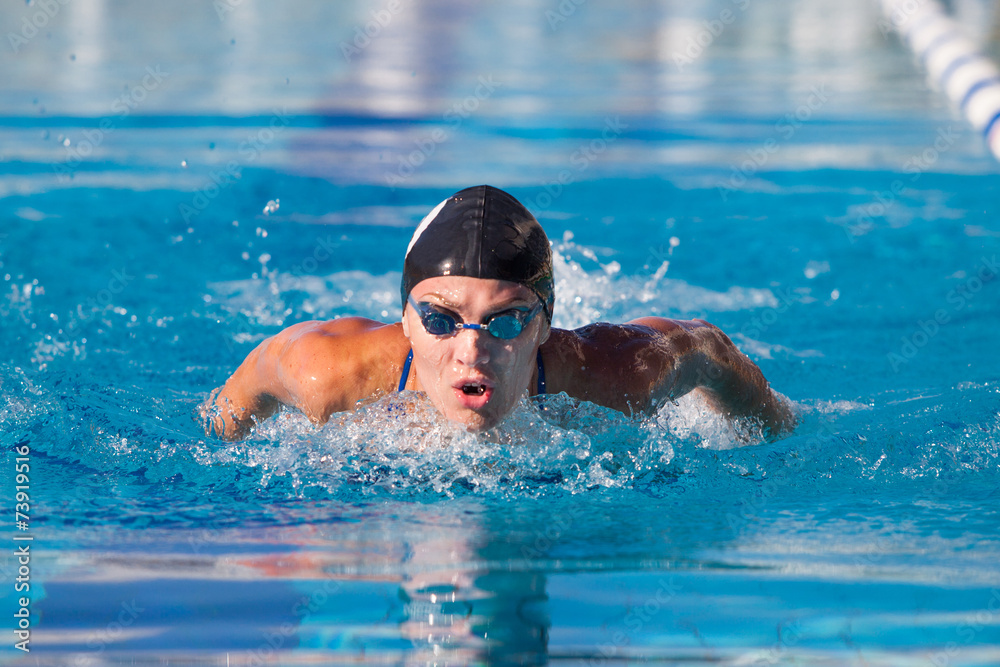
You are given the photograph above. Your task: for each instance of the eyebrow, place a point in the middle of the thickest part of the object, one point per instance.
(514, 302)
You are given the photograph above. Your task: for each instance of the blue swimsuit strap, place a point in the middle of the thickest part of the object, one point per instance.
(406, 371)
(538, 360)
(541, 373)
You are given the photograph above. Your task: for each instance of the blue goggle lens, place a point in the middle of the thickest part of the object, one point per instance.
(437, 323)
(505, 326)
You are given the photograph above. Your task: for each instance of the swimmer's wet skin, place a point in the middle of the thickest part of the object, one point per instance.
(476, 273)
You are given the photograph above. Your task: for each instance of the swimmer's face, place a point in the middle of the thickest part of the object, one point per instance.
(473, 377)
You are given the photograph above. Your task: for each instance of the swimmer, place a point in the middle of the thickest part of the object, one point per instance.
(476, 336)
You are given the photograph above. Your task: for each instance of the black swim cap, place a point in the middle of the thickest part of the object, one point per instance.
(481, 232)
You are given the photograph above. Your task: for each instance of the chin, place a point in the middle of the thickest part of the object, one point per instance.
(476, 423)
(473, 421)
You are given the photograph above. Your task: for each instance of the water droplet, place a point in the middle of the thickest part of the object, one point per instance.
(211, 146)
(72, 56)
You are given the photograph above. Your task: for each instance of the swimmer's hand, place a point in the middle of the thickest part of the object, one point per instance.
(219, 415)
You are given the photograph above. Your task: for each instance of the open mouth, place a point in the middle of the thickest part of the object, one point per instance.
(473, 394)
(473, 389)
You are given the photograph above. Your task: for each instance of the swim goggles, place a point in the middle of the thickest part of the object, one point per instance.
(506, 325)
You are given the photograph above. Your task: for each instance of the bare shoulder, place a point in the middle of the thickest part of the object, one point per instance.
(331, 365)
(615, 365)
(318, 367)
(321, 337)
(606, 341)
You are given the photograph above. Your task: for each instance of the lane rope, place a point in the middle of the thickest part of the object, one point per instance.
(953, 62)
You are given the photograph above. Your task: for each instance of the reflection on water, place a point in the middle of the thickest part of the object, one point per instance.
(495, 615)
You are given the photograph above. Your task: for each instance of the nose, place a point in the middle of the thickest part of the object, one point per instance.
(472, 347)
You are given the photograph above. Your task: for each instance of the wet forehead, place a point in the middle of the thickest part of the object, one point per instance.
(462, 292)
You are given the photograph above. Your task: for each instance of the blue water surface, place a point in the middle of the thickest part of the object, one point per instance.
(180, 181)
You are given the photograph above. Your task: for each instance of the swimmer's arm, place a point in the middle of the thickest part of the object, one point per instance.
(271, 376)
(700, 357)
(312, 366)
(251, 393)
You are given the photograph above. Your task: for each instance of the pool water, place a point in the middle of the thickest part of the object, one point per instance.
(178, 184)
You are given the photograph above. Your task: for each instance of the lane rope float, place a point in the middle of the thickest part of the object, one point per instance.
(953, 62)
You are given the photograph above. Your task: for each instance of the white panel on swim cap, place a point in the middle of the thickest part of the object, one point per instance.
(424, 224)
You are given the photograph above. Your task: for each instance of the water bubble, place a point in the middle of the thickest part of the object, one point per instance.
(272, 206)
(184, 164)
(814, 268)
